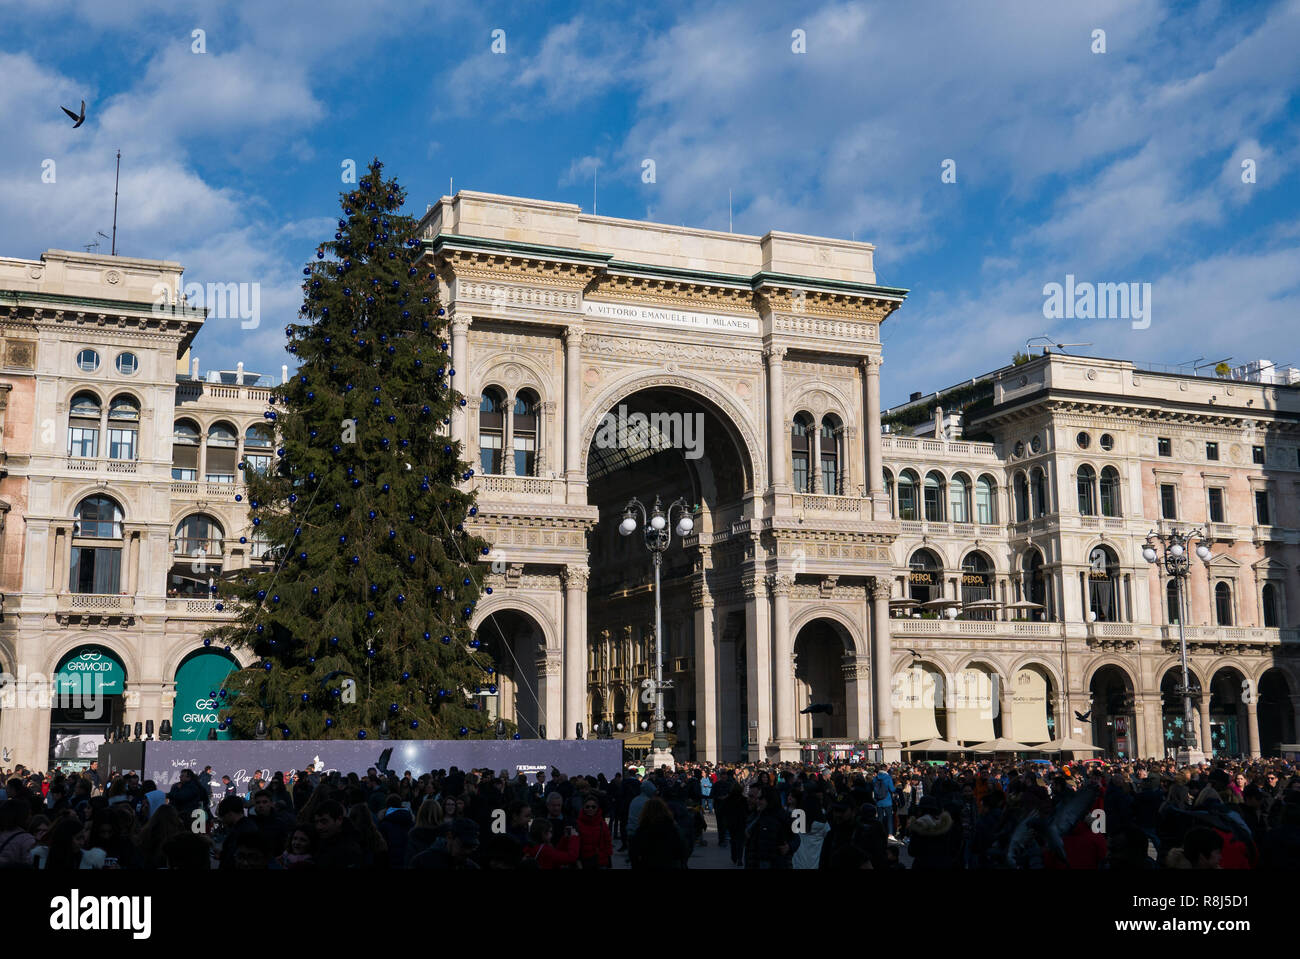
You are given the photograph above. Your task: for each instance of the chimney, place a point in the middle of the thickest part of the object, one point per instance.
(239, 373)
(194, 368)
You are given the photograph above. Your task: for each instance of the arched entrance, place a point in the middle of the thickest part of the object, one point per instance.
(819, 652)
(1113, 726)
(666, 442)
(1227, 712)
(1276, 713)
(199, 680)
(516, 646)
(89, 686)
(1173, 721)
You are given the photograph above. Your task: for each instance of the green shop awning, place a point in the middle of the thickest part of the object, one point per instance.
(198, 701)
(90, 671)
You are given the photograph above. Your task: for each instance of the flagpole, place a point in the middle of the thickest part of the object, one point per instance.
(116, 178)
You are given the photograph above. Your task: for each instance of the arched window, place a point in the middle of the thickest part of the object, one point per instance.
(889, 492)
(1034, 586)
(1041, 505)
(83, 426)
(1268, 600)
(1172, 603)
(1022, 498)
(907, 483)
(1110, 504)
(185, 451)
(1223, 604)
(1086, 481)
(977, 583)
(801, 428)
(1103, 584)
(524, 430)
(222, 453)
(491, 430)
(123, 427)
(925, 576)
(934, 497)
(258, 441)
(198, 556)
(96, 566)
(830, 455)
(959, 499)
(986, 498)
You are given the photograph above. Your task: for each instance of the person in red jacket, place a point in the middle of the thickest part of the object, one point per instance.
(595, 843)
(548, 856)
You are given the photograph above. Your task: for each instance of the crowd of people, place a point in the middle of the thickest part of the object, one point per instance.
(1241, 814)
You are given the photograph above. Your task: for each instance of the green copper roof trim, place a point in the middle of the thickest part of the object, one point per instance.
(606, 259)
(29, 298)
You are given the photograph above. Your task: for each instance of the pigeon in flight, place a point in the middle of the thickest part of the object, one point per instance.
(827, 708)
(1082, 717)
(80, 119)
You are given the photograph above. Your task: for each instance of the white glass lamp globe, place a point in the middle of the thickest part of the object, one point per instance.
(669, 724)
(1176, 550)
(951, 612)
(628, 524)
(1203, 551)
(657, 522)
(1092, 616)
(1149, 555)
(619, 727)
(684, 526)
(645, 725)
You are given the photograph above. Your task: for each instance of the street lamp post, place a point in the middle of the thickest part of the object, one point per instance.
(1172, 557)
(658, 536)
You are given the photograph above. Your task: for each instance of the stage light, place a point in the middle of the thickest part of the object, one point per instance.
(165, 730)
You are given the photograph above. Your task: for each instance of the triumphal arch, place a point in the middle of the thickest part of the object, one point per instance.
(602, 359)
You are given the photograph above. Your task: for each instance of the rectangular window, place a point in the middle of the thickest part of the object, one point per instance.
(95, 570)
(800, 461)
(1216, 504)
(984, 504)
(258, 464)
(489, 447)
(221, 477)
(830, 476)
(933, 504)
(1164, 446)
(1211, 451)
(525, 456)
(184, 476)
(1168, 501)
(121, 444)
(957, 503)
(906, 501)
(1261, 508)
(83, 442)
(1257, 454)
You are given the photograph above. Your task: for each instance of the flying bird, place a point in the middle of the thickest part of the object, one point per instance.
(80, 119)
(827, 708)
(1082, 717)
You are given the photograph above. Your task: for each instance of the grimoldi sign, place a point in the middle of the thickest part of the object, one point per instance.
(659, 316)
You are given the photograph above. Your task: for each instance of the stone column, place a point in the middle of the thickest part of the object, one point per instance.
(550, 674)
(1206, 746)
(851, 462)
(857, 695)
(572, 401)
(1005, 692)
(544, 432)
(460, 363)
(778, 428)
(758, 656)
(575, 650)
(815, 454)
(132, 561)
(875, 465)
(706, 733)
(783, 666)
(508, 439)
(1252, 728)
(881, 656)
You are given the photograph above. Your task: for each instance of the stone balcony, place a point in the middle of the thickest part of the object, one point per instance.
(944, 449)
(509, 489)
(1229, 636)
(206, 491)
(973, 628)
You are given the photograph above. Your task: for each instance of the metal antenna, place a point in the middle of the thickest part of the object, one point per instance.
(116, 179)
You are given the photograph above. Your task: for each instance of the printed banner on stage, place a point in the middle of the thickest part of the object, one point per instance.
(917, 691)
(974, 698)
(242, 759)
(1029, 706)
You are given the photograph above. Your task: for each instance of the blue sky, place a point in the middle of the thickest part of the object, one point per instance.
(1123, 166)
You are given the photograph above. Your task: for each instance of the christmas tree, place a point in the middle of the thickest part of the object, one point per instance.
(361, 617)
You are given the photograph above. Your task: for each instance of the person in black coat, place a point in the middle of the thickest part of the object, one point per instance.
(188, 795)
(770, 840)
(337, 846)
(1281, 846)
(657, 844)
(733, 809)
(396, 827)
